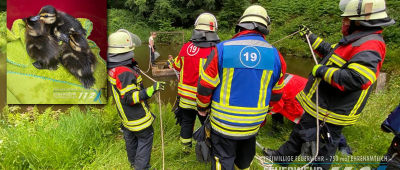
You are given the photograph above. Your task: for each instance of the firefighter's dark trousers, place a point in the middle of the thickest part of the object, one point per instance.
(187, 125)
(138, 147)
(292, 147)
(391, 160)
(228, 153)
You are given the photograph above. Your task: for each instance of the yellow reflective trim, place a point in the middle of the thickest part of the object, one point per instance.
(313, 88)
(187, 104)
(338, 116)
(329, 74)
(333, 45)
(228, 89)
(139, 79)
(337, 60)
(141, 127)
(321, 116)
(187, 93)
(333, 118)
(135, 97)
(366, 72)
(138, 121)
(177, 62)
(181, 72)
(278, 86)
(185, 140)
(262, 88)
(266, 77)
(237, 119)
(188, 88)
(119, 106)
(245, 131)
(127, 89)
(359, 102)
(316, 43)
(145, 108)
(238, 109)
(204, 76)
(226, 85)
(217, 164)
(201, 104)
(112, 80)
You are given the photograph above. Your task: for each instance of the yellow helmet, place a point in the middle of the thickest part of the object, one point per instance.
(363, 9)
(122, 41)
(256, 13)
(206, 22)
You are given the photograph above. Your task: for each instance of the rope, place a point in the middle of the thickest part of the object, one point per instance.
(317, 110)
(286, 37)
(161, 122)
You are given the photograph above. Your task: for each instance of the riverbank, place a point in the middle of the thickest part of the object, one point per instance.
(90, 139)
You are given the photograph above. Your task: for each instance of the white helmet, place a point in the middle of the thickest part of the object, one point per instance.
(122, 41)
(363, 9)
(255, 17)
(206, 22)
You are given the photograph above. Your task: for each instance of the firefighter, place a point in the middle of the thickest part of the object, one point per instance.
(189, 63)
(345, 75)
(239, 79)
(130, 97)
(290, 108)
(392, 124)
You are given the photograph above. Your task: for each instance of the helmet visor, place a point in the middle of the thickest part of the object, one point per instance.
(134, 38)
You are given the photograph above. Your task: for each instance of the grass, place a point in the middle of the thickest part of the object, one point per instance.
(89, 138)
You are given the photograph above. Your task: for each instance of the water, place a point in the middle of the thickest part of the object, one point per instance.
(298, 66)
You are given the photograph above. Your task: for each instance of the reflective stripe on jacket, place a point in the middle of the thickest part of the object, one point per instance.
(189, 63)
(353, 65)
(130, 98)
(240, 85)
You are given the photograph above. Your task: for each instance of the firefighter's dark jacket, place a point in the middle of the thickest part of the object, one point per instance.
(130, 98)
(349, 69)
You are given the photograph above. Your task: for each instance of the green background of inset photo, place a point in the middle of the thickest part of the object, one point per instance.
(29, 85)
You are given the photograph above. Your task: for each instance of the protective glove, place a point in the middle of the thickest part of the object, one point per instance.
(157, 86)
(304, 31)
(316, 71)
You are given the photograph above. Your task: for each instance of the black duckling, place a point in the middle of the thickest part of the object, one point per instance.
(59, 23)
(40, 45)
(79, 59)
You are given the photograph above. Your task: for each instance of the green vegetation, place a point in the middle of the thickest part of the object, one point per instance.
(321, 16)
(3, 31)
(79, 139)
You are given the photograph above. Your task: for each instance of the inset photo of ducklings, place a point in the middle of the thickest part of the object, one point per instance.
(56, 52)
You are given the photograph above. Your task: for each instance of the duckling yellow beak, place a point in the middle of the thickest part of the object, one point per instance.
(35, 18)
